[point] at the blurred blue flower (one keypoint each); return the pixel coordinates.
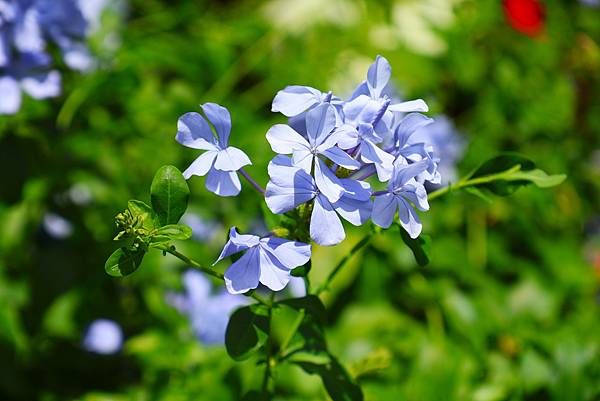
(103, 336)
(221, 161)
(29, 73)
(27, 27)
(208, 312)
(590, 3)
(447, 143)
(56, 226)
(402, 190)
(203, 230)
(267, 260)
(290, 186)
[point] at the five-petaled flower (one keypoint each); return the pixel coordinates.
(221, 161)
(267, 260)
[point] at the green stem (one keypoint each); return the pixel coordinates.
(464, 182)
(269, 361)
(209, 271)
(363, 242)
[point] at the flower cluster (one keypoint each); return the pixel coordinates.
(330, 147)
(27, 29)
(325, 154)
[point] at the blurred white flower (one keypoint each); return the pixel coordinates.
(298, 16)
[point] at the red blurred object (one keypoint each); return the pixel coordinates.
(525, 16)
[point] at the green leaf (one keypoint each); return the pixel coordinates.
(420, 246)
(302, 271)
(315, 357)
(311, 304)
(512, 171)
(139, 208)
(254, 395)
(169, 193)
(246, 331)
(172, 232)
(123, 262)
(337, 381)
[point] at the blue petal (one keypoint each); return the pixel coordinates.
(384, 209)
(354, 189)
(404, 172)
(288, 188)
(346, 136)
(10, 101)
(223, 183)
(409, 219)
(295, 99)
(325, 225)
(361, 89)
(416, 193)
(291, 254)
(231, 159)
(201, 165)
(410, 106)
(244, 274)
(284, 140)
(409, 125)
(272, 273)
(341, 158)
(383, 161)
(221, 119)
(378, 76)
(320, 122)
(78, 57)
(303, 159)
(42, 86)
(237, 243)
(327, 182)
(194, 132)
(355, 211)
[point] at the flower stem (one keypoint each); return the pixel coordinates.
(251, 181)
(209, 271)
(269, 360)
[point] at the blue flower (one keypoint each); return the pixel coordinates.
(208, 312)
(402, 190)
(103, 336)
(291, 186)
(203, 230)
(266, 260)
(27, 73)
(320, 124)
(447, 145)
(220, 162)
(57, 226)
(413, 149)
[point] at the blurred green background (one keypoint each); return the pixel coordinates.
(508, 309)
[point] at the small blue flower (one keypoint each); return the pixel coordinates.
(208, 312)
(220, 162)
(320, 124)
(103, 336)
(291, 186)
(402, 190)
(57, 226)
(266, 260)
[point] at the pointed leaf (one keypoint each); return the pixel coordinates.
(246, 331)
(420, 246)
(123, 262)
(171, 232)
(169, 194)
